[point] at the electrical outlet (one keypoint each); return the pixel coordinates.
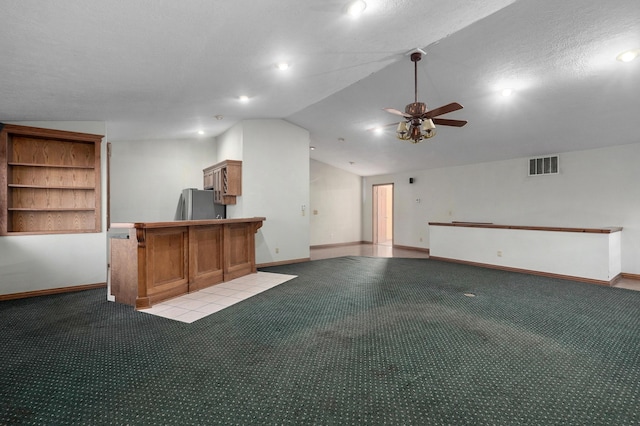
(277, 250)
(499, 253)
(420, 239)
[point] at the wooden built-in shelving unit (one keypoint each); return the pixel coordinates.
(49, 181)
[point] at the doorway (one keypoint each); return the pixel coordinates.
(383, 214)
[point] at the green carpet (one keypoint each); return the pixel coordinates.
(351, 341)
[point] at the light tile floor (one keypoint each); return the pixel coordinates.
(194, 306)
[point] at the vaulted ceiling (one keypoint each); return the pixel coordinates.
(163, 69)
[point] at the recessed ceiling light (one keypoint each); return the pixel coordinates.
(628, 56)
(201, 132)
(218, 117)
(378, 130)
(312, 148)
(507, 91)
(282, 66)
(356, 8)
(243, 98)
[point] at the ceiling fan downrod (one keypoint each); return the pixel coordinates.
(415, 57)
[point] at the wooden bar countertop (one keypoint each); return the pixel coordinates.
(171, 224)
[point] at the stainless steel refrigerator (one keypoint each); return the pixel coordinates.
(198, 204)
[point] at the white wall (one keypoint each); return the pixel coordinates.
(595, 188)
(147, 177)
(229, 144)
(41, 262)
(336, 196)
(275, 184)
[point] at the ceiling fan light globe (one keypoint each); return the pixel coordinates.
(427, 125)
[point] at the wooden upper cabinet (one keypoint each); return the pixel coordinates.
(208, 178)
(225, 178)
(49, 181)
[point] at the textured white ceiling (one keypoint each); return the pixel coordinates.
(158, 69)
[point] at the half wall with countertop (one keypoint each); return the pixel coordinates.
(582, 254)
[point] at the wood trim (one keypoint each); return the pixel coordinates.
(4, 194)
(615, 280)
(50, 291)
(605, 230)
(284, 262)
(51, 133)
(420, 249)
(97, 190)
(631, 276)
(530, 272)
(108, 184)
(352, 243)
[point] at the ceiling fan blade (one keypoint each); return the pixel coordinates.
(447, 122)
(454, 106)
(381, 127)
(397, 112)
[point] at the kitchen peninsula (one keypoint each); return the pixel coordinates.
(155, 261)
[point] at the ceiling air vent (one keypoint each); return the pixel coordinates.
(544, 166)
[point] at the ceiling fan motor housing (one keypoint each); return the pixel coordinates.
(416, 109)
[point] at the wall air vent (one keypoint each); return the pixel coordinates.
(544, 165)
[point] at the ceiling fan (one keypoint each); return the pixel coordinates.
(419, 123)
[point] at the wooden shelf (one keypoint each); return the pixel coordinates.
(59, 166)
(23, 209)
(13, 185)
